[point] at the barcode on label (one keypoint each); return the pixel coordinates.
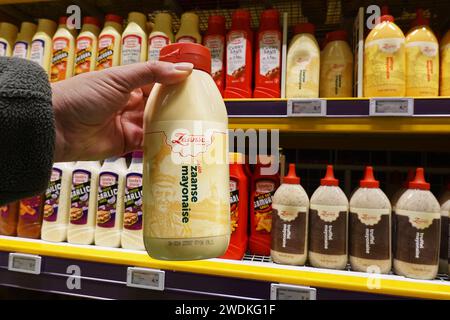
(26, 263)
(391, 107)
(307, 108)
(145, 278)
(291, 292)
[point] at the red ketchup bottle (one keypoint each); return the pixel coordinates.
(239, 57)
(263, 187)
(268, 56)
(214, 40)
(238, 208)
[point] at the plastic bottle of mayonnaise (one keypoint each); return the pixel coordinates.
(41, 45)
(422, 59)
(384, 60)
(23, 42)
(83, 202)
(63, 56)
(189, 31)
(110, 202)
(160, 36)
(132, 232)
(186, 186)
(109, 43)
(86, 46)
(134, 39)
(8, 34)
(303, 63)
(57, 203)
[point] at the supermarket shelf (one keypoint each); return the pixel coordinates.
(104, 269)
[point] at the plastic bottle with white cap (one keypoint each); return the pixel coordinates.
(41, 44)
(23, 42)
(189, 30)
(134, 39)
(160, 36)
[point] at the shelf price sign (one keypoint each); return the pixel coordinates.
(280, 291)
(145, 278)
(307, 108)
(26, 263)
(391, 107)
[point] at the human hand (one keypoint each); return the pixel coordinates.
(100, 114)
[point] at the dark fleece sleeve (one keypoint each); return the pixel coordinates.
(27, 130)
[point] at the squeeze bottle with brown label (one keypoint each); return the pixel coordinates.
(134, 39)
(444, 200)
(186, 176)
(86, 46)
(8, 34)
(109, 43)
(422, 59)
(370, 227)
(189, 31)
(160, 36)
(290, 209)
(23, 42)
(41, 45)
(328, 231)
(63, 56)
(418, 226)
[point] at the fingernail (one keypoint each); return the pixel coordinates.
(183, 66)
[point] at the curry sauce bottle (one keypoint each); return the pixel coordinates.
(109, 43)
(30, 217)
(86, 46)
(63, 52)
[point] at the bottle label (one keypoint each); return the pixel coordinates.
(444, 236)
(417, 236)
(186, 39)
(132, 219)
(3, 48)
(289, 225)
(30, 208)
(79, 198)
(107, 199)
(215, 44)
(20, 50)
(37, 51)
(51, 202)
(328, 232)
(4, 211)
(236, 54)
(105, 52)
(262, 204)
(131, 49)
(83, 55)
(155, 44)
(370, 233)
(61, 47)
(188, 192)
(269, 55)
(234, 204)
(336, 78)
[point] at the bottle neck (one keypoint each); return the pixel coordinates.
(91, 28)
(114, 25)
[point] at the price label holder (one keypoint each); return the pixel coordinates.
(307, 108)
(26, 263)
(143, 278)
(391, 107)
(280, 291)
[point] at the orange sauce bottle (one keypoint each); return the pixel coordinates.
(30, 217)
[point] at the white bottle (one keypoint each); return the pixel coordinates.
(444, 200)
(63, 54)
(132, 232)
(8, 34)
(134, 39)
(41, 45)
(23, 41)
(110, 202)
(83, 202)
(189, 30)
(160, 36)
(57, 203)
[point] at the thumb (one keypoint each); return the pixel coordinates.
(137, 75)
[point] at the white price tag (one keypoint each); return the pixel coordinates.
(27, 263)
(290, 292)
(400, 107)
(306, 108)
(145, 278)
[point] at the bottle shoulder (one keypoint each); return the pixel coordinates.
(328, 195)
(418, 200)
(291, 195)
(371, 198)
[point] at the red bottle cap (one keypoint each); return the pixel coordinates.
(420, 20)
(369, 180)
(338, 35)
(91, 20)
(194, 53)
(304, 28)
(62, 20)
(419, 181)
(291, 177)
(270, 19)
(387, 18)
(114, 18)
(329, 179)
(216, 24)
(240, 19)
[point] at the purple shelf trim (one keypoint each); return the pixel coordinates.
(257, 108)
(347, 107)
(425, 107)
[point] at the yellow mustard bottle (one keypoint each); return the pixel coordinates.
(445, 65)
(134, 39)
(63, 55)
(160, 36)
(41, 45)
(23, 42)
(422, 59)
(189, 30)
(109, 42)
(384, 60)
(86, 46)
(8, 34)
